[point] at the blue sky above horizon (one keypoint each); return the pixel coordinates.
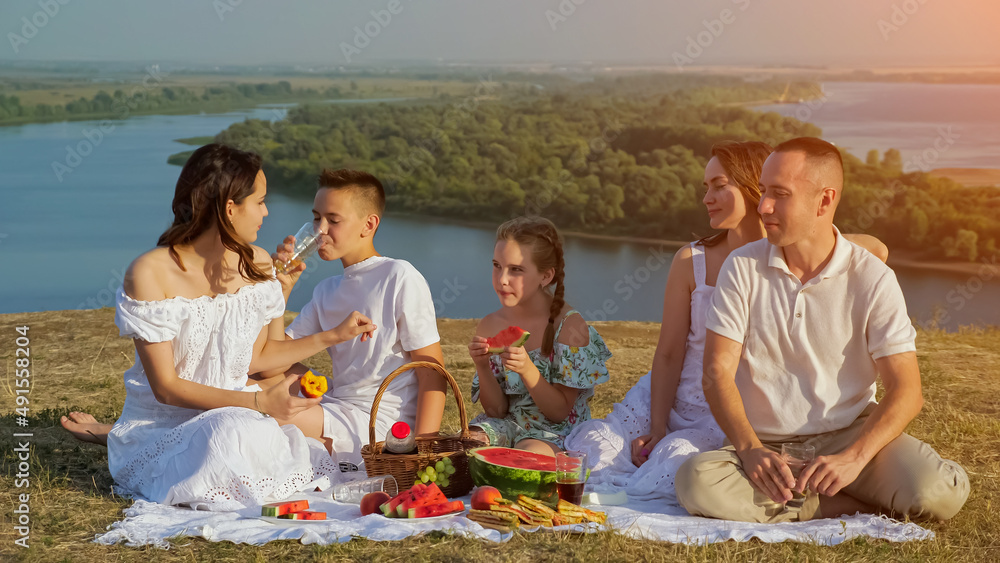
(790, 32)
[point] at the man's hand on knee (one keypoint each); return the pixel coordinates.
(769, 473)
(828, 474)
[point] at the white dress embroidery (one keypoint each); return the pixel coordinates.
(691, 427)
(221, 459)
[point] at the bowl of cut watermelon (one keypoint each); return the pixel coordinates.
(422, 502)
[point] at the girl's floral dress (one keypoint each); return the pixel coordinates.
(573, 366)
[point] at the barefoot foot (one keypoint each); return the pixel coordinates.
(85, 428)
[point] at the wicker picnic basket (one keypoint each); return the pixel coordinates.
(430, 449)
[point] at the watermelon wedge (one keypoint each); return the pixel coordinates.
(428, 495)
(389, 508)
(282, 508)
(439, 509)
(510, 336)
(304, 515)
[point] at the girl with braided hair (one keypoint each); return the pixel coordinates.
(536, 394)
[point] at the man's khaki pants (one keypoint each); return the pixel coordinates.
(906, 478)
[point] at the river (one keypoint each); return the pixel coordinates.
(932, 125)
(69, 226)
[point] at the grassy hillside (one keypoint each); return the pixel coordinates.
(78, 360)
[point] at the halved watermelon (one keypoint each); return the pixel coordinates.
(514, 472)
(510, 336)
(436, 509)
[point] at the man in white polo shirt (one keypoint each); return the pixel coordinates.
(801, 325)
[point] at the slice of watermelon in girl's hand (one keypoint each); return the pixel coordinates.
(510, 336)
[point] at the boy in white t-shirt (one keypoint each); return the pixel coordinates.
(348, 207)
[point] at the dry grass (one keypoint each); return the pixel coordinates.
(78, 362)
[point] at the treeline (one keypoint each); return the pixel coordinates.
(138, 99)
(979, 76)
(929, 216)
(608, 156)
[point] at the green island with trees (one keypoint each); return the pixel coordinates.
(618, 155)
(179, 100)
(66, 97)
(621, 156)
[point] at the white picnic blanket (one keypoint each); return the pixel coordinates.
(148, 523)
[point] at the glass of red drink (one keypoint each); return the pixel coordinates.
(571, 475)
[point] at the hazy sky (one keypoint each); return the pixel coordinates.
(820, 32)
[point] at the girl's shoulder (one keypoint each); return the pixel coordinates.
(580, 355)
(574, 330)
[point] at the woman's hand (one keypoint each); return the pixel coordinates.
(352, 326)
(283, 254)
(479, 351)
(643, 446)
(282, 400)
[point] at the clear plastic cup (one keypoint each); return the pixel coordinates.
(353, 491)
(307, 242)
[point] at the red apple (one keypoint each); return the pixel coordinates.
(371, 502)
(485, 496)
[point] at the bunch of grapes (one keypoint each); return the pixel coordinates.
(438, 473)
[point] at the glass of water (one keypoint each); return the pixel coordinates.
(307, 242)
(353, 491)
(797, 456)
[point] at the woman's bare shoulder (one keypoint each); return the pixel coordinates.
(683, 258)
(143, 276)
(262, 259)
(871, 244)
(682, 268)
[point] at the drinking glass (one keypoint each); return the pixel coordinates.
(353, 491)
(797, 456)
(307, 241)
(571, 475)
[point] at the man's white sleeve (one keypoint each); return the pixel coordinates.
(889, 330)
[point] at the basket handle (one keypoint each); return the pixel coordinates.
(406, 367)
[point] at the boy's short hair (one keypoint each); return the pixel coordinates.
(369, 191)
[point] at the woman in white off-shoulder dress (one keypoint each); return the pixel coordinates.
(664, 419)
(199, 307)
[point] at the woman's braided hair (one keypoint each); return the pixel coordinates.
(546, 245)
